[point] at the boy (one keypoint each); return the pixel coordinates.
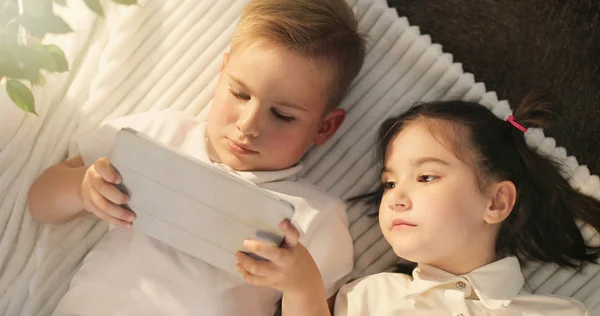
(290, 63)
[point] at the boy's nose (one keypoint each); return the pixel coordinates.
(249, 121)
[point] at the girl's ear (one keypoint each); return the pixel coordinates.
(502, 201)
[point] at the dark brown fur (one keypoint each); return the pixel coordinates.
(517, 46)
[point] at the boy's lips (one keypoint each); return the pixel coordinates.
(239, 148)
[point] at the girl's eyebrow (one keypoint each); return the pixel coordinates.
(418, 162)
(425, 160)
(386, 170)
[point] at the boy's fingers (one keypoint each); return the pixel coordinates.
(120, 213)
(102, 205)
(106, 171)
(255, 267)
(109, 219)
(253, 279)
(292, 235)
(111, 193)
(267, 251)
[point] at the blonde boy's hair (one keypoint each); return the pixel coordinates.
(321, 30)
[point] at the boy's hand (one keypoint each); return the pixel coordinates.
(289, 269)
(101, 197)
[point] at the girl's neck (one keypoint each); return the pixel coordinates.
(465, 262)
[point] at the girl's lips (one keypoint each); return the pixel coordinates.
(400, 223)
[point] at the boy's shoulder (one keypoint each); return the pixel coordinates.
(312, 204)
(300, 190)
(170, 127)
(157, 122)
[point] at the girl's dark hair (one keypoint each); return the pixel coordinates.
(542, 224)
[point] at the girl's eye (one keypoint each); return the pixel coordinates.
(239, 95)
(282, 117)
(389, 185)
(427, 178)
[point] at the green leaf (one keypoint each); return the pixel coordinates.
(95, 6)
(125, 2)
(39, 25)
(58, 61)
(21, 95)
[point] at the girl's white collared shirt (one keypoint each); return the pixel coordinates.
(492, 290)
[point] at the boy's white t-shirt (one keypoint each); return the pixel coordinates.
(129, 273)
(492, 290)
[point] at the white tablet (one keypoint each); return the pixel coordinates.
(191, 205)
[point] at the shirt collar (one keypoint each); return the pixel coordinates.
(261, 177)
(496, 284)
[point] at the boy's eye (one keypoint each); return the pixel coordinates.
(427, 178)
(281, 116)
(239, 95)
(387, 185)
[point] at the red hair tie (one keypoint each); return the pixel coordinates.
(511, 120)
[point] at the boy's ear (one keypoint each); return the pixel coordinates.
(329, 125)
(503, 198)
(225, 61)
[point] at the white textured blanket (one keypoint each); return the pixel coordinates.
(167, 54)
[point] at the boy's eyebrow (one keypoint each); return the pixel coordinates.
(238, 81)
(282, 103)
(290, 105)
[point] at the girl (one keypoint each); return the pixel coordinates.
(466, 199)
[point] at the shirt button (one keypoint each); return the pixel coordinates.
(460, 285)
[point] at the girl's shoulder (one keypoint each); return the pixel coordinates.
(547, 304)
(372, 295)
(381, 282)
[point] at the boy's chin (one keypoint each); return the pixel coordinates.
(237, 164)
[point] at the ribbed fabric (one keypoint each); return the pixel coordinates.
(167, 54)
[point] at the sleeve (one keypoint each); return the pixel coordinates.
(165, 126)
(330, 245)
